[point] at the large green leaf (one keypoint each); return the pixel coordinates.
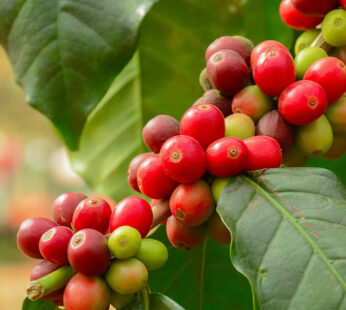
(39, 304)
(162, 78)
(289, 229)
(66, 53)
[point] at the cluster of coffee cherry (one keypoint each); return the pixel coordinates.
(93, 251)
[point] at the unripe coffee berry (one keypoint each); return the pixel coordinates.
(306, 58)
(240, 126)
(305, 40)
(152, 253)
(336, 114)
(133, 169)
(334, 28)
(217, 187)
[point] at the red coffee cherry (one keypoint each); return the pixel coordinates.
(227, 43)
(266, 46)
(228, 72)
(263, 153)
(218, 230)
(64, 206)
(302, 102)
(92, 213)
(158, 130)
(132, 211)
(29, 234)
(226, 157)
(88, 252)
(330, 73)
(274, 65)
(53, 244)
(296, 20)
(214, 97)
(183, 159)
(192, 204)
(153, 181)
(204, 122)
(182, 236)
(133, 169)
(317, 8)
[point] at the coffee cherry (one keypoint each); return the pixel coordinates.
(343, 3)
(118, 301)
(124, 242)
(214, 97)
(340, 53)
(158, 130)
(53, 244)
(218, 230)
(132, 211)
(182, 236)
(263, 153)
(315, 7)
(127, 276)
(273, 125)
(334, 28)
(306, 58)
(228, 72)
(305, 40)
(316, 138)
(336, 114)
(192, 204)
(204, 122)
(86, 293)
(294, 157)
(133, 169)
(226, 157)
(240, 126)
(29, 234)
(88, 253)
(183, 159)
(302, 102)
(92, 213)
(64, 206)
(204, 80)
(217, 187)
(338, 147)
(266, 46)
(161, 211)
(152, 253)
(228, 43)
(330, 73)
(246, 42)
(153, 181)
(252, 102)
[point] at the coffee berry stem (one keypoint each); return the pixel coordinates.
(320, 42)
(49, 283)
(145, 298)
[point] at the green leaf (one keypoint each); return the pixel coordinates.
(65, 53)
(39, 304)
(162, 78)
(289, 231)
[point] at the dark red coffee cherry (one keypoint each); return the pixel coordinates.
(214, 97)
(133, 169)
(158, 130)
(218, 230)
(317, 8)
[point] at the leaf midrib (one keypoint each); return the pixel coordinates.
(298, 227)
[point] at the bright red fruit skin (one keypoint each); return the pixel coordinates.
(273, 71)
(192, 204)
(218, 230)
(264, 47)
(158, 130)
(227, 71)
(86, 293)
(133, 169)
(302, 102)
(214, 97)
(53, 244)
(204, 122)
(227, 43)
(263, 153)
(64, 206)
(29, 234)
(153, 181)
(92, 213)
(330, 73)
(88, 252)
(226, 157)
(296, 20)
(317, 8)
(132, 211)
(343, 3)
(183, 159)
(182, 236)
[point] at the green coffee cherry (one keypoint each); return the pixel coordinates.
(218, 186)
(305, 40)
(119, 300)
(152, 253)
(246, 42)
(124, 242)
(204, 80)
(306, 58)
(240, 126)
(315, 138)
(334, 28)
(336, 114)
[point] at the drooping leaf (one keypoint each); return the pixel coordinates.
(66, 53)
(39, 304)
(289, 229)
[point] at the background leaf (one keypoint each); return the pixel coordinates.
(39, 304)
(289, 228)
